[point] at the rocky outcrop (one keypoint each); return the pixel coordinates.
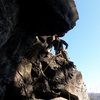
(28, 70)
(38, 74)
(46, 17)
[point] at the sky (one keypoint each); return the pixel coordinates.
(84, 43)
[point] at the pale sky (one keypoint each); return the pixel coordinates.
(84, 43)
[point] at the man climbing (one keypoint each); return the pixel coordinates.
(58, 44)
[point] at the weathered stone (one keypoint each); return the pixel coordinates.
(27, 70)
(77, 86)
(46, 17)
(59, 98)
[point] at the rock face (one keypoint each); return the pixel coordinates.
(46, 17)
(28, 71)
(38, 74)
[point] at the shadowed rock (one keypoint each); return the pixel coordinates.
(27, 70)
(39, 75)
(46, 17)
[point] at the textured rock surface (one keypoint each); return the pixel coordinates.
(38, 74)
(27, 70)
(46, 17)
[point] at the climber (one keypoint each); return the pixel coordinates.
(58, 44)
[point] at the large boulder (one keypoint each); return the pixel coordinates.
(46, 17)
(29, 72)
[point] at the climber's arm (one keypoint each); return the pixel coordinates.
(65, 43)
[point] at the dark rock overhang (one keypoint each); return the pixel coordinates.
(36, 17)
(48, 17)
